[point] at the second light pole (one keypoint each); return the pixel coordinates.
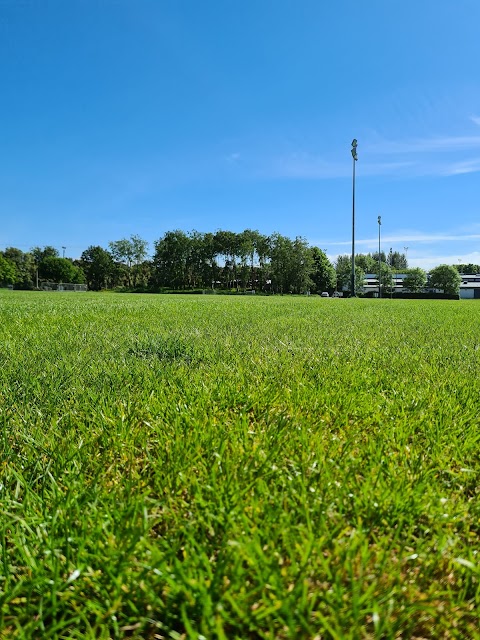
(355, 158)
(379, 259)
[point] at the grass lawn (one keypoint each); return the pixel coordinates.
(219, 467)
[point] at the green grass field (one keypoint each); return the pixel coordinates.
(238, 467)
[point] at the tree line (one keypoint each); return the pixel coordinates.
(223, 260)
(181, 261)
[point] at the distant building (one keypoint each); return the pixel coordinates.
(469, 288)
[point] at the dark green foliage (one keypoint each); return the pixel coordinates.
(323, 276)
(343, 268)
(445, 278)
(131, 254)
(415, 280)
(232, 261)
(57, 269)
(468, 269)
(98, 266)
(8, 271)
(24, 267)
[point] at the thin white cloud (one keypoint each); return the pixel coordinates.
(428, 262)
(466, 166)
(475, 120)
(426, 238)
(425, 145)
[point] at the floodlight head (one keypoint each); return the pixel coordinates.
(379, 219)
(354, 154)
(354, 143)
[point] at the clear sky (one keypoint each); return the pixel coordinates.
(122, 117)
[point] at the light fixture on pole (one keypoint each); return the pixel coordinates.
(64, 251)
(406, 254)
(379, 258)
(355, 158)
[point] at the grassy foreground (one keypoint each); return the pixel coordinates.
(211, 467)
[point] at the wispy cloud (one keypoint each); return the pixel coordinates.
(475, 120)
(424, 238)
(428, 262)
(466, 166)
(425, 145)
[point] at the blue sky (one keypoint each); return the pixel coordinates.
(142, 116)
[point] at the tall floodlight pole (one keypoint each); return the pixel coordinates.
(379, 258)
(355, 158)
(64, 251)
(406, 254)
(390, 259)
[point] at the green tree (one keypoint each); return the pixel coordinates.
(8, 272)
(468, 269)
(60, 270)
(385, 278)
(446, 278)
(131, 253)
(323, 275)
(366, 262)
(170, 260)
(397, 260)
(210, 271)
(374, 255)
(25, 271)
(291, 264)
(227, 248)
(262, 249)
(343, 268)
(415, 280)
(195, 260)
(40, 254)
(98, 266)
(280, 255)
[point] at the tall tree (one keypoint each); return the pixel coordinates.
(468, 269)
(415, 280)
(24, 267)
(227, 248)
(343, 267)
(131, 253)
(291, 264)
(383, 257)
(98, 266)
(385, 278)
(445, 278)
(40, 254)
(60, 270)
(366, 262)
(171, 259)
(323, 276)
(8, 272)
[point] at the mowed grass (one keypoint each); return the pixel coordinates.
(237, 467)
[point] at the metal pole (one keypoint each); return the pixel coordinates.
(355, 158)
(390, 275)
(64, 251)
(379, 259)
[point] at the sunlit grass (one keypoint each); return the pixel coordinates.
(199, 466)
